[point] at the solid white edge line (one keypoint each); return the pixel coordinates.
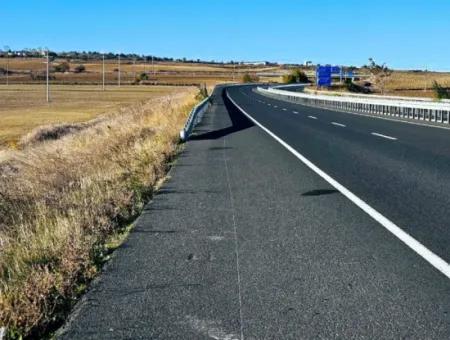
(382, 136)
(407, 239)
(312, 117)
(338, 124)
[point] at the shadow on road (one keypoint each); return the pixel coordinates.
(238, 120)
(320, 192)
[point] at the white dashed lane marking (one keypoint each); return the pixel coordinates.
(338, 124)
(383, 136)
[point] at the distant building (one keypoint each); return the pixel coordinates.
(255, 63)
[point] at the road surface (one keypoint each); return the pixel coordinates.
(245, 241)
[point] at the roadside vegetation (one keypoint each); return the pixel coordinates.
(296, 76)
(440, 92)
(202, 93)
(380, 74)
(68, 193)
(250, 78)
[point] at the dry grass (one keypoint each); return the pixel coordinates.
(415, 84)
(60, 200)
(23, 107)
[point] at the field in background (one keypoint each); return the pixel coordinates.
(158, 73)
(24, 107)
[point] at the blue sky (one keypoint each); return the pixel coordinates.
(402, 33)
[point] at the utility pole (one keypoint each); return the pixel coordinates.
(118, 79)
(7, 48)
(7, 68)
(153, 66)
(153, 70)
(48, 83)
(103, 87)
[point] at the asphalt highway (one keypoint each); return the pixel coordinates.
(246, 241)
(400, 169)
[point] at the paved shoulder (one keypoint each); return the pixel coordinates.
(175, 277)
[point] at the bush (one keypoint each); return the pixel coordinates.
(63, 67)
(80, 69)
(440, 92)
(352, 87)
(250, 78)
(141, 77)
(296, 76)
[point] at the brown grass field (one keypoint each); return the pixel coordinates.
(415, 84)
(24, 107)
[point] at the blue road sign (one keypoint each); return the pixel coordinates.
(335, 69)
(324, 81)
(323, 69)
(323, 75)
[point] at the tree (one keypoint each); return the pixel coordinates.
(63, 67)
(380, 74)
(440, 92)
(296, 76)
(249, 78)
(80, 68)
(141, 77)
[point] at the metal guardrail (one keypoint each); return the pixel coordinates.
(429, 111)
(287, 86)
(194, 118)
(371, 96)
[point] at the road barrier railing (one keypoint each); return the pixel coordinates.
(194, 118)
(372, 96)
(427, 110)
